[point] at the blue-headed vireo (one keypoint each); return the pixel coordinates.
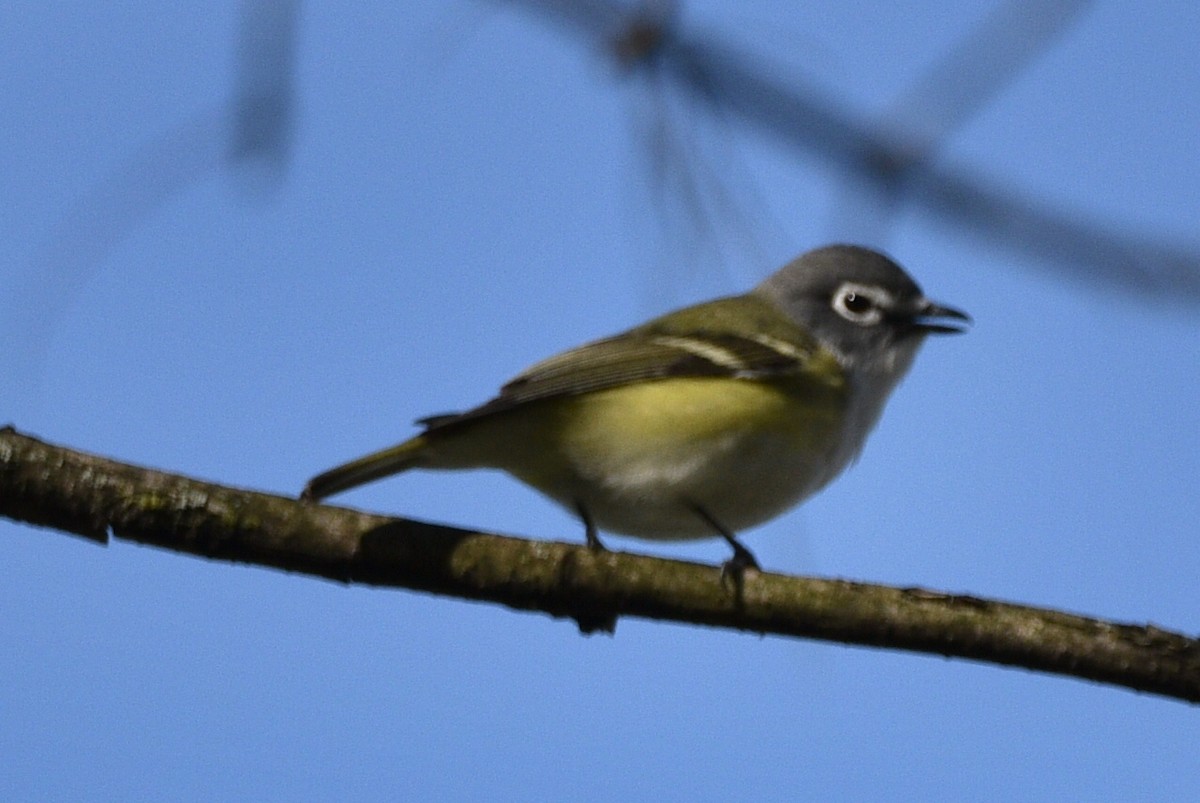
(705, 421)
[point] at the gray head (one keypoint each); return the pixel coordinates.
(864, 308)
(860, 305)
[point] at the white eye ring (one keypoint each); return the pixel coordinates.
(861, 304)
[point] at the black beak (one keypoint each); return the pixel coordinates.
(936, 319)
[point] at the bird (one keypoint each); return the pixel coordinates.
(702, 422)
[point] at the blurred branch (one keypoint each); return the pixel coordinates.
(51, 486)
(249, 133)
(262, 109)
(896, 158)
(958, 86)
(977, 69)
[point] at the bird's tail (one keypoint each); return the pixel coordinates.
(365, 469)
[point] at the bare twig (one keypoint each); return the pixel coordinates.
(92, 496)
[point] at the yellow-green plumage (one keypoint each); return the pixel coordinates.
(639, 458)
(704, 421)
(640, 429)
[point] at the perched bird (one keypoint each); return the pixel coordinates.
(703, 422)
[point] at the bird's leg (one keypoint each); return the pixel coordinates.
(590, 533)
(742, 558)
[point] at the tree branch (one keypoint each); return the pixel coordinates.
(47, 485)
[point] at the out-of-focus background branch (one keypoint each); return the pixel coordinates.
(896, 157)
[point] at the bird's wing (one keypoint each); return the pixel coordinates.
(698, 341)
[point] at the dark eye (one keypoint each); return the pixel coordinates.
(857, 302)
(863, 305)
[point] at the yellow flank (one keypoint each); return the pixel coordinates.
(675, 415)
(639, 457)
(654, 417)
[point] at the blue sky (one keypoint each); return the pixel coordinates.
(468, 193)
